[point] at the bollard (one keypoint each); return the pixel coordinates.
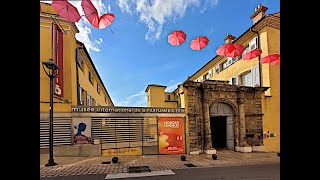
(214, 156)
(115, 159)
(183, 158)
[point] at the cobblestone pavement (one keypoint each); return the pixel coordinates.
(69, 166)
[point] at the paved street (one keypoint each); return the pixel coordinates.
(246, 172)
(91, 166)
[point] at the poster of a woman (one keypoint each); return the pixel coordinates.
(80, 138)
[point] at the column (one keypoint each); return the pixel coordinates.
(242, 125)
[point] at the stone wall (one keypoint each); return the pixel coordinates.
(245, 103)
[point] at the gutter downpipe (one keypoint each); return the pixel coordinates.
(77, 73)
(258, 47)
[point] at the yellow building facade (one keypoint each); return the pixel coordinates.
(264, 34)
(82, 85)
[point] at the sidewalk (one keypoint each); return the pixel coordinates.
(68, 166)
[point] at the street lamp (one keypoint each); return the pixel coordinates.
(52, 68)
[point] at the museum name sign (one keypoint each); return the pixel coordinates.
(108, 109)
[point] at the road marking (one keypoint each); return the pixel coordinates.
(130, 175)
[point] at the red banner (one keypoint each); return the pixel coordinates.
(171, 135)
(57, 56)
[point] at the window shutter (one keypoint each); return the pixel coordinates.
(255, 76)
(253, 44)
(249, 79)
(209, 74)
(236, 77)
(217, 68)
(80, 95)
(230, 81)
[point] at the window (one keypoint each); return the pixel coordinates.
(225, 64)
(90, 77)
(217, 68)
(233, 60)
(255, 76)
(229, 61)
(168, 97)
(79, 60)
(98, 88)
(93, 102)
(88, 99)
(209, 74)
(200, 79)
(233, 81)
(244, 52)
(246, 79)
(253, 44)
(205, 76)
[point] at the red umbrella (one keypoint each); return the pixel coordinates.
(225, 49)
(105, 20)
(237, 51)
(199, 43)
(270, 58)
(90, 12)
(176, 38)
(66, 10)
(252, 54)
(277, 61)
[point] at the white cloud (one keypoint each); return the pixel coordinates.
(208, 3)
(124, 6)
(85, 37)
(136, 100)
(154, 13)
(172, 86)
(85, 28)
(109, 8)
(98, 41)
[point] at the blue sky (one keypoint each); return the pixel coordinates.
(138, 54)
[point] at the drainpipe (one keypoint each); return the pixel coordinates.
(77, 73)
(258, 46)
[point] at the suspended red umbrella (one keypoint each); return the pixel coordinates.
(90, 12)
(237, 51)
(225, 49)
(105, 20)
(270, 58)
(276, 62)
(66, 10)
(176, 38)
(252, 54)
(199, 43)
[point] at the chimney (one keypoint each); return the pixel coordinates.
(259, 12)
(229, 38)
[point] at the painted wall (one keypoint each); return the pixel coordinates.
(69, 57)
(271, 104)
(68, 78)
(157, 97)
(91, 88)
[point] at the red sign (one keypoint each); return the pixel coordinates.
(171, 135)
(57, 49)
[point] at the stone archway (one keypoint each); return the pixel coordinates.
(222, 116)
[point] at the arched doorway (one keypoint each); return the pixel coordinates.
(222, 126)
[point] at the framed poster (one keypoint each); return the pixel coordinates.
(81, 131)
(171, 135)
